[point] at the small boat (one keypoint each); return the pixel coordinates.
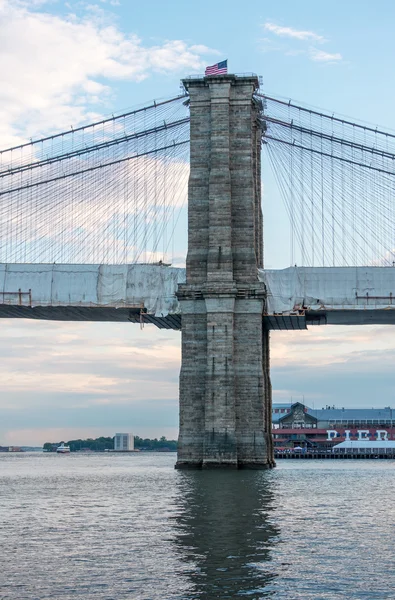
(62, 449)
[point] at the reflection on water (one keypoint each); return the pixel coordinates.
(131, 527)
(224, 532)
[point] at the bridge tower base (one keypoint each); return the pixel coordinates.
(225, 391)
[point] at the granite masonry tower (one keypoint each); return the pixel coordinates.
(225, 391)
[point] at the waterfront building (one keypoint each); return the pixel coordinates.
(124, 442)
(297, 425)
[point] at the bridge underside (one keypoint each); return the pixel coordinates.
(311, 318)
(276, 322)
(86, 313)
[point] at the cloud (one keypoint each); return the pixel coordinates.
(335, 346)
(322, 56)
(269, 45)
(87, 375)
(293, 33)
(346, 366)
(55, 69)
(72, 362)
(302, 37)
(60, 380)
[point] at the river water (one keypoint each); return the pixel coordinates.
(107, 526)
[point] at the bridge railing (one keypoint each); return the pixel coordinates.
(18, 298)
(202, 76)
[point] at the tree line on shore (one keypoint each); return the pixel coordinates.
(101, 444)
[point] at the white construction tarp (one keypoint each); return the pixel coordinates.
(150, 286)
(365, 444)
(154, 286)
(332, 288)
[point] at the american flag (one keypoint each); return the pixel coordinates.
(220, 68)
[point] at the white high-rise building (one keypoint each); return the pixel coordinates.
(123, 442)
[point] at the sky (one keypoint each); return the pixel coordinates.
(66, 63)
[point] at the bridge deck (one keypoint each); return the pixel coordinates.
(297, 297)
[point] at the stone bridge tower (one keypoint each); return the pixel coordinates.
(225, 390)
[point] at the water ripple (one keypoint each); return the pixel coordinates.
(129, 526)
